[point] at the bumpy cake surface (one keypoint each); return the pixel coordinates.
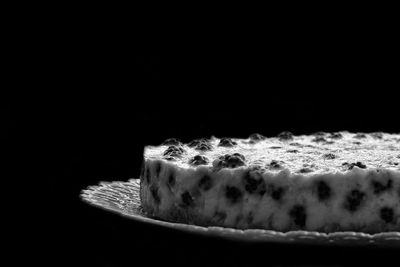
(322, 182)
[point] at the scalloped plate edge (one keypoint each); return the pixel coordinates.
(123, 199)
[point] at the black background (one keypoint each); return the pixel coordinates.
(106, 98)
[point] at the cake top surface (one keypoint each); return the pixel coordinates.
(319, 152)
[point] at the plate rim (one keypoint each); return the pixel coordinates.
(347, 237)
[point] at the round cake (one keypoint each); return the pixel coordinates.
(323, 182)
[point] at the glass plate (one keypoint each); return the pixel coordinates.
(123, 198)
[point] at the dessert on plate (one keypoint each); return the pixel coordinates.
(323, 182)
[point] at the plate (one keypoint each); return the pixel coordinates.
(123, 198)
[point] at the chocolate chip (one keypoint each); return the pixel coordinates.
(359, 135)
(274, 164)
(305, 170)
(205, 183)
(378, 187)
(352, 165)
(233, 194)
(318, 139)
(172, 152)
(256, 169)
(239, 155)
(256, 137)
(329, 156)
(276, 192)
(187, 199)
(171, 180)
(201, 144)
(171, 141)
(231, 161)
(158, 168)
(292, 151)
(298, 214)
(154, 193)
(336, 135)
(296, 144)
(254, 185)
(198, 160)
(387, 214)
(377, 135)
(323, 190)
(227, 142)
(204, 147)
(284, 136)
(319, 134)
(197, 142)
(147, 174)
(354, 199)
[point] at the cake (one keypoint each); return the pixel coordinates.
(324, 182)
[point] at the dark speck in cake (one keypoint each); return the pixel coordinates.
(387, 214)
(354, 200)
(187, 199)
(205, 183)
(379, 187)
(329, 156)
(305, 170)
(319, 139)
(147, 174)
(323, 190)
(154, 193)
(298, 214)
(296, 144)
(253, 184)
(171, 180)
(274, 164)
(319, 134)
(233, 194)
(359, 136)
(276, 192)
(336, 135)
(358, 164)
(158, 168)
(292, 151)
(377, 135)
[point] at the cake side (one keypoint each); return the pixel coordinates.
(227, 189)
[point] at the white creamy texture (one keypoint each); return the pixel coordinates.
(300, 152)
